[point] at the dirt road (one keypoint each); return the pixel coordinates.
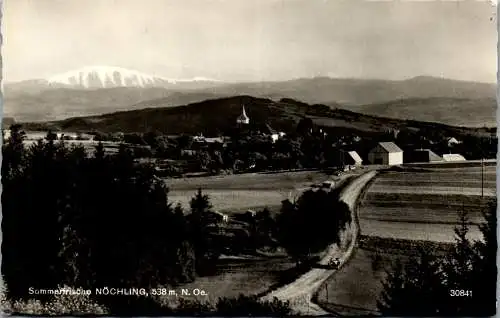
(300, 292)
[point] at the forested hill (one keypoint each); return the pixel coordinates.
(216, 116)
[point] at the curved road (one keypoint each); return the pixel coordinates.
(300, 292)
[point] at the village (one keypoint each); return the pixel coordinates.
(258, 147)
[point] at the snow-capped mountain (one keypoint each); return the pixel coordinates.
(109, 76)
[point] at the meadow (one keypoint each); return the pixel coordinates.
(235, 193)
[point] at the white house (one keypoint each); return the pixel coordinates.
(453, 157)
(453, 141)
(386, 153)
(6, 133)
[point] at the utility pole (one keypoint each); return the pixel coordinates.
(482, 177)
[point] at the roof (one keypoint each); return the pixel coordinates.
(424, 155)
(453, 157)
(214, 139)
(390, 147)
(354, 155)
(269, 129)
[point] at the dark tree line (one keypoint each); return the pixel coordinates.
(460, 283)
(88, 222)
(92, 222)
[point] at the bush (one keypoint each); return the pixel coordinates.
(64, 304)
(250, 305)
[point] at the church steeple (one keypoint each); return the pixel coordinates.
(243, 118)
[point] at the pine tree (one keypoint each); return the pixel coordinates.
(416, 290)
(393, 298)
(199, 218)
(485, 265)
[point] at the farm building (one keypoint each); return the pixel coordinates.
(386, 153)
(453, 157)
(421, 155)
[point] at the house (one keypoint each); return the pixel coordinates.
(453, 157)
(421, 155)
(386, 153)
(247, 217)
(6, 133)
(275, 135)
(453, 141)
(216, 217)
(352, 158)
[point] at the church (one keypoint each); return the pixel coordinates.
(243, 126)
(243, 119)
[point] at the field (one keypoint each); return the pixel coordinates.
(241, 276)
(424, 205)
(355, 288)
(234, 193)
(399, 211)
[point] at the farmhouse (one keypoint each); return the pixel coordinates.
(421, 155)
(386, 153)
(453, 157)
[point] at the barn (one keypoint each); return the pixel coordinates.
(386, 153)
(421, 155)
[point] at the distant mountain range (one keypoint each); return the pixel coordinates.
(99, 90)
(97, 77)
(468, 112)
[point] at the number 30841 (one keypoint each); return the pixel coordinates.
(460, 293)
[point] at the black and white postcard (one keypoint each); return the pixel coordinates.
(249, 158)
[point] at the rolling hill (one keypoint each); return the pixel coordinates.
(215, 116)
(36, 100)
(60, 103)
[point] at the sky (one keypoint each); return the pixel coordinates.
(243, 40)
